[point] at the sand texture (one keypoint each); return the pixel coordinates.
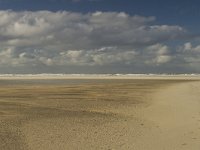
(107, 114)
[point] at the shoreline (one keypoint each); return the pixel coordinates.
(101, 76)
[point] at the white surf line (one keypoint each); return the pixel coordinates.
(175, 119)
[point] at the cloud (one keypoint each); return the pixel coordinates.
(84, 30)
(188, 53)
(45, 38)
(157, 54)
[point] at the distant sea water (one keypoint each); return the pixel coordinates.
(98, 75)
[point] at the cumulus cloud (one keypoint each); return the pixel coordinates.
(189, 55)
(161, 54)
(70, 57)
(94, 39)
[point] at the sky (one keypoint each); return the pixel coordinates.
(99, 36)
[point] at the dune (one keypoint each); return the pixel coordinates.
(139, 114)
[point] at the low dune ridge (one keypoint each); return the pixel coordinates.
(99, 114)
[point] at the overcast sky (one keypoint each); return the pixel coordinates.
(99, 36)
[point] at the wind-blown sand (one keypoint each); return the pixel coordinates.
(122, 114)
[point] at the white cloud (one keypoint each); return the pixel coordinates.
(94, 39)
(162, 59)
(94, 57)
(189, 53)
(157, 54)
(70, 29)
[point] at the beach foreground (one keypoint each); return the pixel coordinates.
(120, 114)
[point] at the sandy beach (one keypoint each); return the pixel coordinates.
(109, 114)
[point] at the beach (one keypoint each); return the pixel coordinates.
(108, 113)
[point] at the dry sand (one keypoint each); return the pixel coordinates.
(120, 114)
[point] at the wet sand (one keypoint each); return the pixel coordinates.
(120, 114)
